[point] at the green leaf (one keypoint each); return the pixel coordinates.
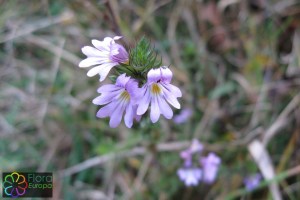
(143, 57)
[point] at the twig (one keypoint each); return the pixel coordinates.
(125, 154)
(165, 147)
(264, 163)
(66, 55)
(281, 119)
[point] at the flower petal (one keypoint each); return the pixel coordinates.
(105, 70)
(154, 112)
(164, 108)
(170, 98)
(90, 51)
(153, 75)
(117, 37)
(107, 88)
(145, 100)
(116, 117)
(106, 111)
(129, 115)
(173, 89)
(166, 74)
(94, 71)
(105, 98)
(90, 61)
(103, 45)
(122, 80)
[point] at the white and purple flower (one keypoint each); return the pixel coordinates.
(118, 98)
(210, 165)
(104, 56)
(158, 91)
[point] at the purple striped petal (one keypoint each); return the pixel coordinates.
(144, 103)
(129, 115)
(116, 117)
(107, 88)
(106, 110)
(164, 108)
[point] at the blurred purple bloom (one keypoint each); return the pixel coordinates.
(105, 56)
(210, 166)
(196, 147)
(157, 91)
(117, 99)
(251, 182)
(183, 116)
(190, 176)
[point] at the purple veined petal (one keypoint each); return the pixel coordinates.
(170, 98)
(107, 88)
(105, 98)
(175, 91)
(153, 76)
(118, 53)
(90, 61)
(105, 70)
(154, 111)
(129, 115)
(164, 108)
(166, 74)
(133, 89)
(116, 117)
(122, 80)
(107, 110)
(144, 103)
(114, 49)
(91, 51)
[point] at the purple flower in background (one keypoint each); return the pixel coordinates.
(183, 116)
(157, 91)
(196, 147)
(117, 99)
(210, 166)
(190, 176)
(105, 56)
(251, 182)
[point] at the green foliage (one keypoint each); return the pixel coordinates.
(143, 57)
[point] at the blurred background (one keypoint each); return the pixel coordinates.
(237, 63)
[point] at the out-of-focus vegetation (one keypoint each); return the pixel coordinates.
(236, 61)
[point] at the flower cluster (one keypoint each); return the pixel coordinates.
(141, 83)
(191, 175)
